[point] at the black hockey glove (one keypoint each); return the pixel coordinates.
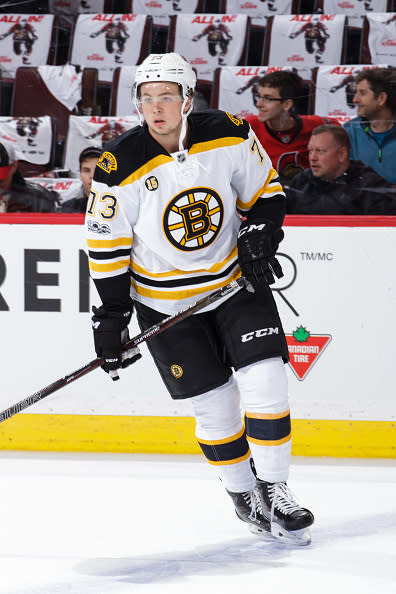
(110, 330)
(257, 245)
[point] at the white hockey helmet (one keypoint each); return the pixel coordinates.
(169, 67)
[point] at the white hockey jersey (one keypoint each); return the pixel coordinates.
(172, 220)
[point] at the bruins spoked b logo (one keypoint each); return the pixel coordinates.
(193, 218)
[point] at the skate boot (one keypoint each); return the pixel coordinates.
(289, 521)
(247, 510)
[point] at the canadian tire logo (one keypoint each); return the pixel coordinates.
(304, 350)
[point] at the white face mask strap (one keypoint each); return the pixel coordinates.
(138, 106)
(184, 124)
(184, 119)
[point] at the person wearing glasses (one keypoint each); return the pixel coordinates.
(281, 130)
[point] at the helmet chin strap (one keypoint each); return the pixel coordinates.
(183, 130)
(139, 111)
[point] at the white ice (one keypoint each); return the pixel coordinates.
(120, 524)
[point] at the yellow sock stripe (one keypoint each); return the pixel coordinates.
(281, 415)
(228, 462)
(212, 442)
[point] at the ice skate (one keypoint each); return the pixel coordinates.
(288, 520)
(247, 509)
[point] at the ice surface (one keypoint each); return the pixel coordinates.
(120, 524)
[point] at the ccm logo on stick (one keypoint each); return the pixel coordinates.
(259, 333)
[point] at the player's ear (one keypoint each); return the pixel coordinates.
(188, 104)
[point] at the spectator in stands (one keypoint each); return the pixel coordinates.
(17, 194)
(373, 132)
(283, 133)
(335, 185)
(88, 159)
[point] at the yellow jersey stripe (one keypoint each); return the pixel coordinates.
(215, 268)
(265, 189)
(109, 267)
(109, 243)
(184, 294)
(201, 147)
(146, 168)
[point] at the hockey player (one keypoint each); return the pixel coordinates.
(252, 84)
(217, 34)
(116, 34)
(24, 36)
(109, 131)
(169, 192)
(315, 36)
(350, 84)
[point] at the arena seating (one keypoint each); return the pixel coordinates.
(325, 41)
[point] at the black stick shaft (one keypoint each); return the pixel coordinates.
(138, 339)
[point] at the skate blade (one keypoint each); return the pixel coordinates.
(257, 531)
(301, 537)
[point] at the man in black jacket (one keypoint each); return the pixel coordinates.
(335, 185)
(18, 195)
(88, 159)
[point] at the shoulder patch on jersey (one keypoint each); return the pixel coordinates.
(214, 124)
(235, 119)
(107, 162)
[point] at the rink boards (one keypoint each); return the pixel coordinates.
(337, 302)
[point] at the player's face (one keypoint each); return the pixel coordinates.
(87, 170)
(269, 104)
(161, 105)
(367, 103)
(326, 157)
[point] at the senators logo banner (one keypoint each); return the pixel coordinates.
(106, 41)
(210, 40)
(31, 137)
(335, 90)
(306, 40)
(164, 7)
(382, 37)
(354, 7)
(24, 41)
(87, 131)
(260, 8)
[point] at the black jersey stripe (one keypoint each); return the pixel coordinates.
(181, 282)
(94, 255)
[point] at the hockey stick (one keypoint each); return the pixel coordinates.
(232, 287)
